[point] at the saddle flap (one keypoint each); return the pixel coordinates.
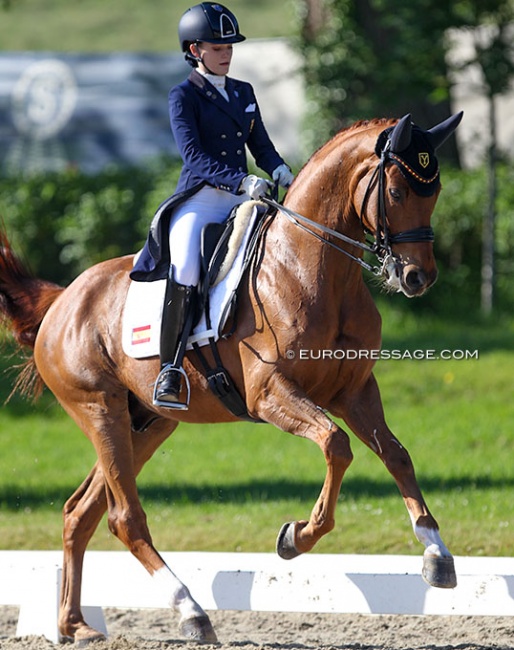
(220, 243)
(214, 247)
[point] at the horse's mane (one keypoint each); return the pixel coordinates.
(376, 121)
(360, 125)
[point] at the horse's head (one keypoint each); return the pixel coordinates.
(398, 198)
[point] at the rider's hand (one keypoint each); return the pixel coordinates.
(283, 176)
(255, 187)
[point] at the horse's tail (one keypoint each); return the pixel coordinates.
(24, 301)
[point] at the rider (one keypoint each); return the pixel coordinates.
(213, 117)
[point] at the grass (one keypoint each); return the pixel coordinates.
(230, 487)
(131, 25)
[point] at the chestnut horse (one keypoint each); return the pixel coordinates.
(304, 290)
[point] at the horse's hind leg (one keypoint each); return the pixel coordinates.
(365, 416)
(82, 514)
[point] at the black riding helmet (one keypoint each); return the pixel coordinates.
(208, 21)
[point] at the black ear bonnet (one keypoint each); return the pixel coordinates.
(412, 150)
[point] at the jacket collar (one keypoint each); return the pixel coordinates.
(232, 108)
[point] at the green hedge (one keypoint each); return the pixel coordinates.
(64, 223)
(457, 222)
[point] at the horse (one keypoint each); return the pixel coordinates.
(304, 290)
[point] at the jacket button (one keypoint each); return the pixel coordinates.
(239, 134)
(239, 152)
(223, 153)
(223, 136)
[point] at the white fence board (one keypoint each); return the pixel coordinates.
(366, 584)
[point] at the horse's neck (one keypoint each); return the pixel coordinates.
(318, 265)
(302, 283)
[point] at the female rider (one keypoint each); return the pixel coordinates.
(213, 117)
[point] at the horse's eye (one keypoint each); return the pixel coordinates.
(395, 194)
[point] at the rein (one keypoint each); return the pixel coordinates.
(383, 239)
(306, 224)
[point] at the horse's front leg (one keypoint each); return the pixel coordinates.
(285, 406)
(364, 414)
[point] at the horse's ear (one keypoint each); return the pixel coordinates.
(401, 135)
(441, 132)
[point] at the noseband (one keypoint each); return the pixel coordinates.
(382, 238)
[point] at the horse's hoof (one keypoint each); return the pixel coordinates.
(199, 629)
(439, 571)
(285, 542)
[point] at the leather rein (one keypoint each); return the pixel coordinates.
(383, 240)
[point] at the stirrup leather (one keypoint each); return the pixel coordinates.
(179, 406)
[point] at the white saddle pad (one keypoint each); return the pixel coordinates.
(141, 326)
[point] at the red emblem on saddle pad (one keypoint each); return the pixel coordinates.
(141, 334)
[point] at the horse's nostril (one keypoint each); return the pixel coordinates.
(415, 279)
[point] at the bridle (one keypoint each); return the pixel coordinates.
(383, 240)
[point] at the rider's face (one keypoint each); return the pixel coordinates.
(215, 57)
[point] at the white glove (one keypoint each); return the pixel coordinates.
(255, 187)
(283, 175)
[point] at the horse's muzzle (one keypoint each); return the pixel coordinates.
(407, 277)
(415, 281)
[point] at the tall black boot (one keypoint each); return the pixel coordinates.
(177, 320)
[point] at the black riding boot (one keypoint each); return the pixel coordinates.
(177, 320)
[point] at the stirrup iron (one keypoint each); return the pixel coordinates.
(177, 406)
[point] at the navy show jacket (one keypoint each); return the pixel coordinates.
(211, 134)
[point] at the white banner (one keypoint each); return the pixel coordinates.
(89, 110)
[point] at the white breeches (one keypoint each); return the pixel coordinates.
(208, 205)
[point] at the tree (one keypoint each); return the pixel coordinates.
(374, 58)
(370, 58)
(314, 19)
(494, 55)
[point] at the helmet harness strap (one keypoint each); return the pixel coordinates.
(199, 59)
